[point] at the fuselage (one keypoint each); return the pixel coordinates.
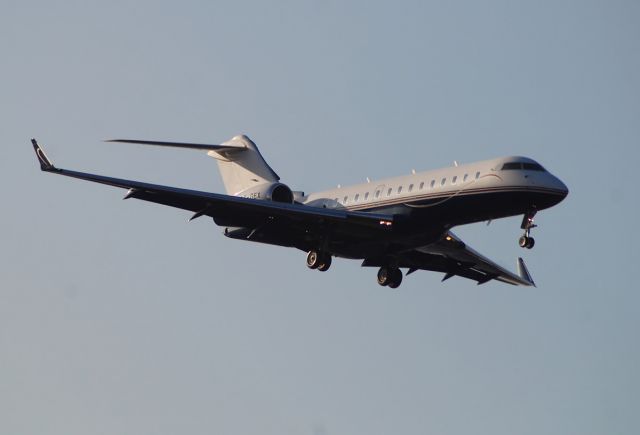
(439, 199)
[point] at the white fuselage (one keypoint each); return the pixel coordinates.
(436, 187)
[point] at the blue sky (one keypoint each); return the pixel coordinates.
(119, 317)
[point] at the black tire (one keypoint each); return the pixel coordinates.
(384, 276)
(313, 259)
(396, 278)
(531, 243)
(325, 263)
(523, 241)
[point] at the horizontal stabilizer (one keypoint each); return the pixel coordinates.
(193, 146)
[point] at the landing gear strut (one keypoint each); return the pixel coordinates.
(318, 260)
(389, 276)
(526, 241)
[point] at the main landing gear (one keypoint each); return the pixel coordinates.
(318, 260)
(389, 276)
(526, 241)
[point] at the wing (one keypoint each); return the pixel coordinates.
(452, 256)
(230, 210)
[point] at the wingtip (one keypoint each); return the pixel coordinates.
(523, 272)
(45, 163)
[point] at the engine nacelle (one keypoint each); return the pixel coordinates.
(276, 192)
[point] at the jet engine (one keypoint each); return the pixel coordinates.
(276, 192)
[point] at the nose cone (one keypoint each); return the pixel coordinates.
(564, 190)
(561, 188)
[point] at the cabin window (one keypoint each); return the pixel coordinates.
(389, 191)
(356, 198)
(399, 189)
(410, 187)
(433, 183)
(377, 193)
(366, 196)
(465, 177)
(422, 185)
(477, 175)
(454, 179)
(443, 181)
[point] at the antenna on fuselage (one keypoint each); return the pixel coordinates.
(413, 171)
(368, 181)
(455, 163)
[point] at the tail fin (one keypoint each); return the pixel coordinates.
(241, 164)
(243, 169)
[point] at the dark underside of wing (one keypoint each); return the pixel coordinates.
(453, 257)
(264, 221)
(300, 225)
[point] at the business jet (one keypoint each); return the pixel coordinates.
(392, 224)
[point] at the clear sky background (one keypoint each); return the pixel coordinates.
(121, 317)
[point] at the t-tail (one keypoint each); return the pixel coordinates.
(241, 165)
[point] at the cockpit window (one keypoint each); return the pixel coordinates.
(519, 165)
(532, 167)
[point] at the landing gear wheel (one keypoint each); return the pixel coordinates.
(526, 242)
(389, 276)
(318, 260)
(523, 241)
(325, 263)
(531, 243)
(384, 276)
(396, 279)
(313, 259)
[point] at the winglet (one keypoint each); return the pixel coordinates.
(523, 272)
(45, 163)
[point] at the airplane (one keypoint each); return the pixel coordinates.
(392, 224)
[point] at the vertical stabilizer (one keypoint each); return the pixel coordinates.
(242, 166)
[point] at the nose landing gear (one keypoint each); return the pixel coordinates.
(526, 241)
